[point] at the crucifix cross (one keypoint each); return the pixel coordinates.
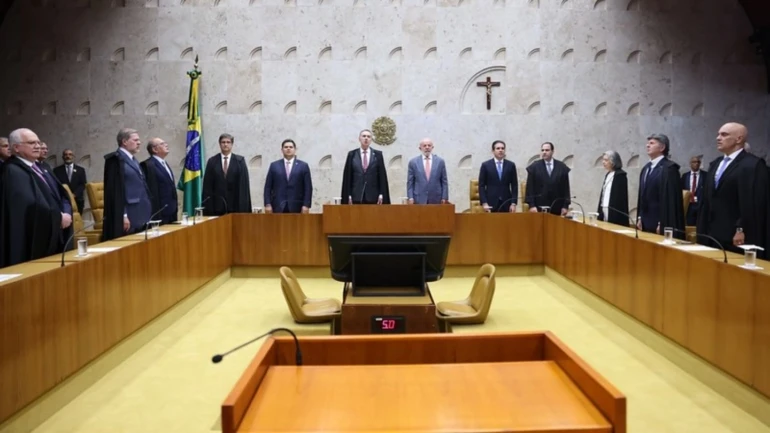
(489, 84)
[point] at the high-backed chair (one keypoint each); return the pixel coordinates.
(522, 195)
(474, 197)
(95, 191)
(93, 236)
(304, 309)
(475, 308)
(689, 230)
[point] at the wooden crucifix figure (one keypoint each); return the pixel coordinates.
(489, 84)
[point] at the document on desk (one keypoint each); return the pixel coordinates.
(625, 232)
(695, 247)
(6, 277)
(102, 249)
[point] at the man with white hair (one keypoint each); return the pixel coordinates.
(5, 150)
(32, 221)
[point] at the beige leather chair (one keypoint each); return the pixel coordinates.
(689, 230)
(474, 197)
(94, 237)
(304, 309)
(475, 308)
(95, 191)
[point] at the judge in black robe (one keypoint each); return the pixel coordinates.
(365, 185)
(739, 199)
(230, 193)
(660, 202)
(30, 216)
(616, 194)
(544, 189)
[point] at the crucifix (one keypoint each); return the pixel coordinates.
(489, 84)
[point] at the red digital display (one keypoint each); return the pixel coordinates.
(388, 325)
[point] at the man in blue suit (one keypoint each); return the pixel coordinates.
(498, 182)
(288, 187)
(426, 181)
(160, 181)
(127, 207)
(693, 181)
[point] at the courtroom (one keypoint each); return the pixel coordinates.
(440, 216)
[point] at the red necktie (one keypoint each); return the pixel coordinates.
(366, 161)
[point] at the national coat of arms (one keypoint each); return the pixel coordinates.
(384, 131)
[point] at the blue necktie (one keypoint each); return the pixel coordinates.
(721, 170)
(500, 170)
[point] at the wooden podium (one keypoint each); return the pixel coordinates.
(520, 382)
(389, 219)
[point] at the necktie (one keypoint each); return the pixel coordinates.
(39, 173)
(69, 172)
(366, 161)
(548, 165)
(721, 170)
(500, 170)
(288, 170)
(226, 166)
(167, 169)
(427, 168)
(693, 186)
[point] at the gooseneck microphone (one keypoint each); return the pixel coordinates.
(88, 226)
(571, 199)
(147, 224)
(724, 252)
(523, 198)
(631, 220)
(216, 359)
(223, 201)
(195, 214)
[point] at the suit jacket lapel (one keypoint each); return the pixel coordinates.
(731, 167)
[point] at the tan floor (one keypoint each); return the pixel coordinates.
(170, 384)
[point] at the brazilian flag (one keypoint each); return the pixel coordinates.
(191, 180)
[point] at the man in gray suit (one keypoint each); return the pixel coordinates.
(426, 181)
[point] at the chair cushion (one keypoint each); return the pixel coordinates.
(454, 309)
(321, 307)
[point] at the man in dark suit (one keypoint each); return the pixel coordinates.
(43, 156)
(127, 206)
(33, 220)
(365, 178)
(226, 187)
(734, 206)
(660, 204)
(548, 182)
(693, 181)
(160, 181)
(5, 150)
(288, 187)
(72, 175)
(498, 182)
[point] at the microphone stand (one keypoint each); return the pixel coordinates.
(631, 220)
(72, 237)
(195, 213)
(147, 224)
(298, 358)
(724, 252)
(572, 201)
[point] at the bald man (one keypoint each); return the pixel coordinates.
(426, 180)
(160, 181)
(735, 200)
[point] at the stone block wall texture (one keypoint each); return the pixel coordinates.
(588, 75)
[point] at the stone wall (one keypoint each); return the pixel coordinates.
(589, 75)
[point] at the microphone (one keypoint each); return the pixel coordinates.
(195, 214)
(724, 252)
(224, 201)
(631, 220)
(362, 193)
(88, 226)
(216, 359)
(147, 224)
(572, 201)
(524, 198)
(562, 198)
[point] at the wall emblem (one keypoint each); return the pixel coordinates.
(384, 130)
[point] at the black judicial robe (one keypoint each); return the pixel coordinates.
(548, 190)
(114, 197)
(365, 186)
(671, 201)
(618, 200)
(233, 188)
(30, 217)
(740, 200)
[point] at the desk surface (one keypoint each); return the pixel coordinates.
(388, 300)
(71, 257)
(481, 397)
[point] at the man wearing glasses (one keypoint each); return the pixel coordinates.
(33, 222)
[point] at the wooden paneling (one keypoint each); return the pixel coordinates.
(718, 311)
(388, 220)
(497, 238)
(53, 323)
(279, 240)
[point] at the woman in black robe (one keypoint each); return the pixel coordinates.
(613, 198)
